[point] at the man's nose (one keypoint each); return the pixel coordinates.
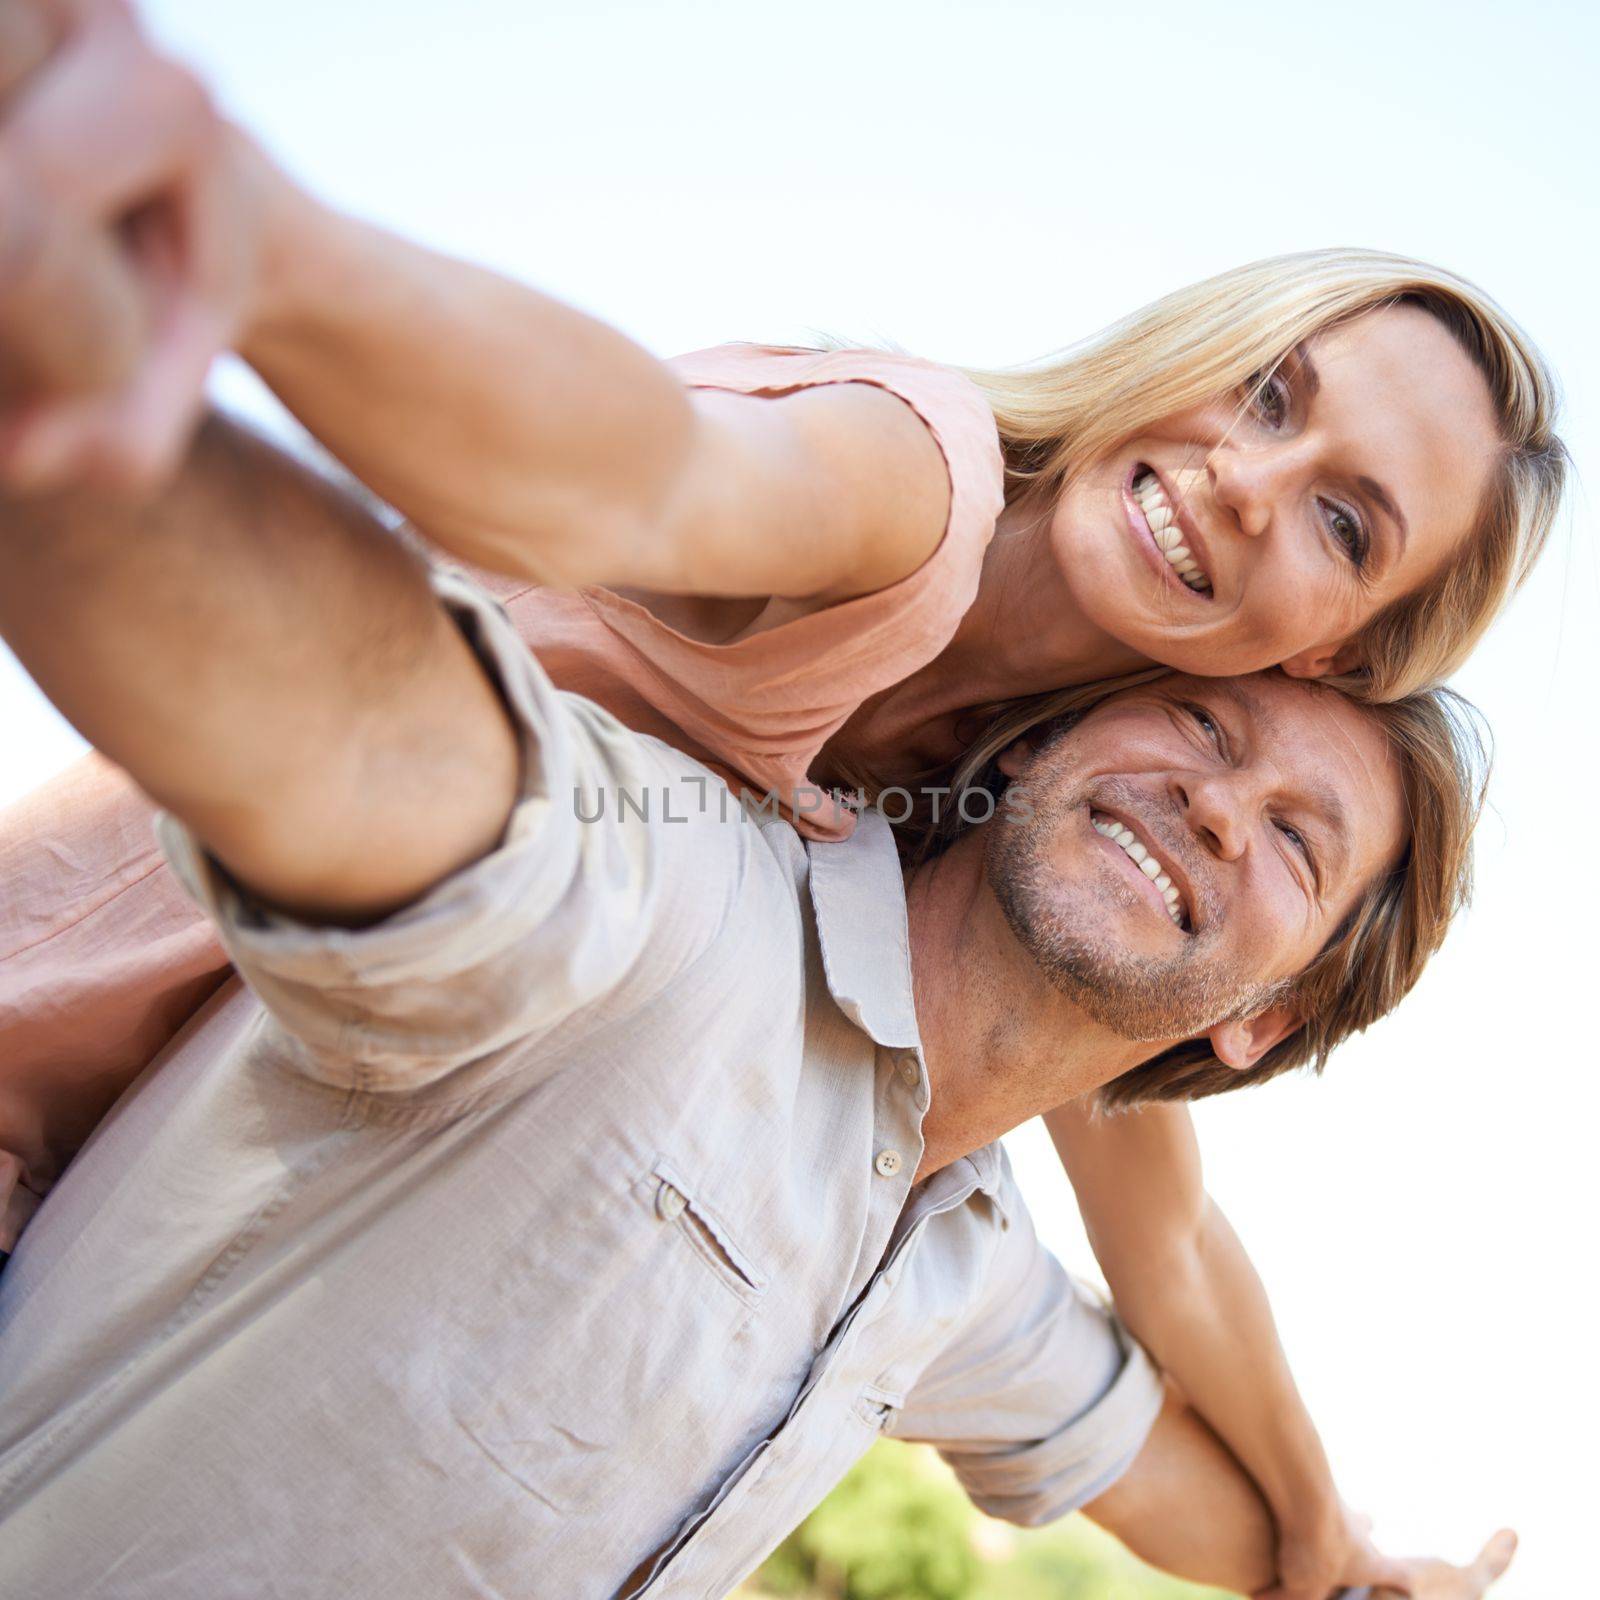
(1218, 808)
(1251, 483)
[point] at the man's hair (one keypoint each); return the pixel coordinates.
(1375, 955)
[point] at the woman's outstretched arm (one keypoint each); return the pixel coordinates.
(1187, 1290)
(518, 432)
(530, 438)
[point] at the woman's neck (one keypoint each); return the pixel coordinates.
(1024, 632)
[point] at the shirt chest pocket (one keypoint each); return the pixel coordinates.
(602, 1347)
(675, 1202)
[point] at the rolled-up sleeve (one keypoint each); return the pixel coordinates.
(576, 903)
(1045, 1402)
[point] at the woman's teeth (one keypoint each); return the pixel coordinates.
(1163, 522)
(1144, 861)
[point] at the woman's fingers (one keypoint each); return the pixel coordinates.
(107, 124)
(69, 313)
(28, 33)
(145, 430)
(131, 440)
(41, 444)
(106, 153)
(72, 314)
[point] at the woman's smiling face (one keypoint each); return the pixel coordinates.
(1234, 537)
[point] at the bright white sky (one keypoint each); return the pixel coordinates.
(988, 182)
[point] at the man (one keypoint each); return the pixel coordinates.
(572, 1201)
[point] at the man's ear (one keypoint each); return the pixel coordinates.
(1015, 757)
(1323, 661)
(1241, 1045)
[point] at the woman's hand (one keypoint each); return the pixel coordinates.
(131, 251)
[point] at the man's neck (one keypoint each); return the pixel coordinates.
(1001, 1045)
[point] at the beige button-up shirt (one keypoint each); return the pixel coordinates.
(560, 1223)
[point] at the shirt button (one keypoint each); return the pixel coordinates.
(910, 1073)
(669, 1203)
(888, 1163)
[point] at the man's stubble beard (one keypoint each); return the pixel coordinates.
(1143, 998)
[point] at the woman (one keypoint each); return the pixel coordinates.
(810, 567)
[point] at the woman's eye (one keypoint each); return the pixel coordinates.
(1269, 398)
(1348, 531)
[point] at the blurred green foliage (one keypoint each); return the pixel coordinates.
(898, 1527)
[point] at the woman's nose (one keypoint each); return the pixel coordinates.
(1246, 483)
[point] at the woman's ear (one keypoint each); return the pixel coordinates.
(1241, 1045)
(1015, 757)
(1323, 661)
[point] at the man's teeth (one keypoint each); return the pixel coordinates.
(1145, 862)
(1164, 530)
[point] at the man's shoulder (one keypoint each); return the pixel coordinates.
(669, 791)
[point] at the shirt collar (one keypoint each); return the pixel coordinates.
(859, 895)
(990, 1165)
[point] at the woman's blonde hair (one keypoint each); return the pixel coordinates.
(1377, 953)
(1059, 416)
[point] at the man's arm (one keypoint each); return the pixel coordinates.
(1187, 1507)
(270, 665)
(341, 736)
(1188, 1292)
(1042, 1405)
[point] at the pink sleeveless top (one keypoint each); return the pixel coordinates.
(104, 959)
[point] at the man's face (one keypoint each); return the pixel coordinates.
(1266, 807)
